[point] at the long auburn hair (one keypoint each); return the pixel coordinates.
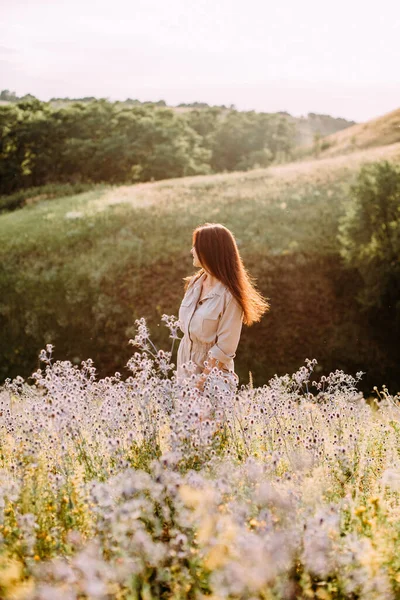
(219, 255)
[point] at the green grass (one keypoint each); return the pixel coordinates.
(29, 196)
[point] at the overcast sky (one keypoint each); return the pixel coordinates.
(340, 58)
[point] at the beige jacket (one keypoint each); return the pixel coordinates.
(211, 327)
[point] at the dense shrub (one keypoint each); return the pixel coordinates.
(370, 236)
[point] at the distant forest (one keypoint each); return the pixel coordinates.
(89, 140)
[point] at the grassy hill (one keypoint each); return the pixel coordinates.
(77, 271)
(382, 131)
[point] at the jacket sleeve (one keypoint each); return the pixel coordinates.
(228, 332)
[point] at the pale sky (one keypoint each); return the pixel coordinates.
(340, 58)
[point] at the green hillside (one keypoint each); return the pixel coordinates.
(77, 271)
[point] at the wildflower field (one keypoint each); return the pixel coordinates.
(143, 487)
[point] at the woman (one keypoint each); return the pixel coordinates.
(218, 299)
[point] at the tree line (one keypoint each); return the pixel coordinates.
(101, 141)
(98, 141)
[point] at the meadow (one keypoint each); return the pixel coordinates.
(144, 488)
(77, 271)
(118, 482)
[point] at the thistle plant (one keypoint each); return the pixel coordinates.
(145, 487)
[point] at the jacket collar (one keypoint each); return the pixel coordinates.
(217, 290)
